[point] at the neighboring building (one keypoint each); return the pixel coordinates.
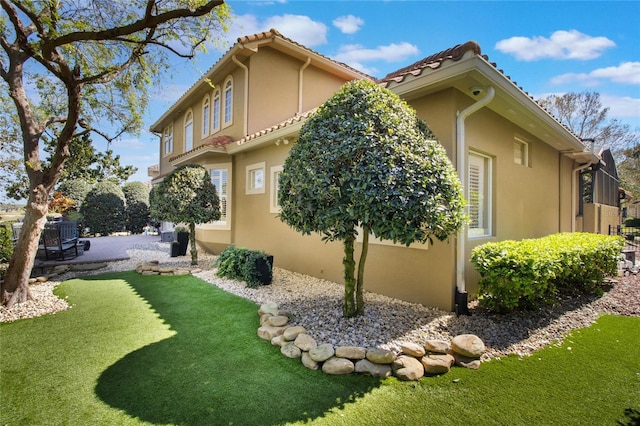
(520, 165)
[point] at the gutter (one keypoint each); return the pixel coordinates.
(245, 119)
(461, 154)
(574, 191)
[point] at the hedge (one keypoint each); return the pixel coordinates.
(517, 275)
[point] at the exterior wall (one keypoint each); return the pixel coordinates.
(598, 218)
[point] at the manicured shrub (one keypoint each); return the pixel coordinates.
(76, 189)
(103, 209)
(632, 222)
(6, 247)
(137, 209)
(238, 263)
(518, 275)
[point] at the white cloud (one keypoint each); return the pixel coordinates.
(625, 73)
(354, 53)
(299, 28)
(348, 24)
(561, 45)
(621, 106)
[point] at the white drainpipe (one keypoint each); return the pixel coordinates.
(461, 154)
(300, 80)
(246, 94)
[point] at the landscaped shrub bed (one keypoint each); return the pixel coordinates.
(252, 266)
(518, 275)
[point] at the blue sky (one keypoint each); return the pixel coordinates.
(547, 47)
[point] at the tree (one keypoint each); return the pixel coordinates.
(186, 195)
(84, 62)
(137, 210)
(103, 209)
(629, 169)
(76, 189)
(364, 160)
(584, 114)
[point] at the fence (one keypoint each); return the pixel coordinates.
(631, 235)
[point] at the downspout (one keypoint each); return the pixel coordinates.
(461, 153)
(300, 81)
(245, 124)
(574, 193)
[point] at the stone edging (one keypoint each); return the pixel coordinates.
(153, 268)
(412, 363)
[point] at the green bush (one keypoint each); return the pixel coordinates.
(238, 263)
(6, 246)
(103, 209)
(137, 211)
(518, 275)
(632, 222)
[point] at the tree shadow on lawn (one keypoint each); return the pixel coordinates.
(215, 370)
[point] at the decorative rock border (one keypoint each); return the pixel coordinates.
(413, 362)
(153, 268)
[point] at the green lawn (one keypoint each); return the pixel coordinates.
(176, 350)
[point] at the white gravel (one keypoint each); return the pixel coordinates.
(316, 304)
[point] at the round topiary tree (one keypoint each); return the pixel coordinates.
(137, 211)
(186, 195)
(103, 208)
(364, 160)
(76, 189)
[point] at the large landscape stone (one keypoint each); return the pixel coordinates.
(437, 346)
(437, 363)
(376, 370)
(277, 321)
(268, 332)
(308, 362)
(407, 368)
(290, 350)
(278, 341)
(292, 332)
(268, 308)
(351, 352)
(305, 342)
(380, 356)
(338, 366)
(412, 349)
(322, 352)
(468, 345)
(466, 362)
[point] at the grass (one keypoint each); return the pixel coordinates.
(176, 350)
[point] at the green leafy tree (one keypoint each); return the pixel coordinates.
(103, 209)
(364, 160)
(137, 211)
(88, 65)
(186, 195)
(584, 114)
(76, 189)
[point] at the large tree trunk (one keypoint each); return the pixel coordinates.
(349, 304)
(15, 288)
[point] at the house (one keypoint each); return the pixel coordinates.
(520, 166)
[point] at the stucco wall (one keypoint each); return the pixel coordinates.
(597, 218)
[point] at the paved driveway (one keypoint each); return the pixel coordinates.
(104, 249)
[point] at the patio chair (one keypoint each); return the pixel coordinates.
(57, 242)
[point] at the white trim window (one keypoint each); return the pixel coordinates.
(188, 131)
(480, 195)
(255, 179)
(167, 139)
(228, 102)
(220, 179)
(274, 206)
(520, 152)
(206, 116)
(216, 112)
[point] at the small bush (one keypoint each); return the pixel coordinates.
(632, 222)
(518, 275)
(238, 263)
(6, 246)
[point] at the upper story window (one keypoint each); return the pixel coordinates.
(255, 179)
(167, 139)
(188, 131)
(206, 115)
(520, 152)
(480, 195)
(216, 112)
(228, 101)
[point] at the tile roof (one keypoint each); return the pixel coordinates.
(212, 141)
(286, 123)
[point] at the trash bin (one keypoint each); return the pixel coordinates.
(175, 249)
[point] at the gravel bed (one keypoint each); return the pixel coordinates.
(316, 304)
